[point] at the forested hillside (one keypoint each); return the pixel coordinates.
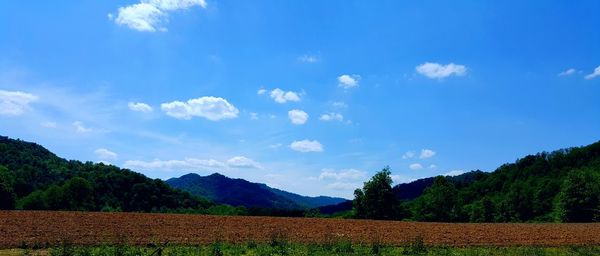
(31, 177)
(563, 185)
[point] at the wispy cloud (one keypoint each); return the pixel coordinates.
(594, 74)
(427, 153)
(344, 185)
(344, 174)
(49, 124)
(415, 166)
(188, 164)
(253, 116)
(105, 154)
(408, 155)
(151, 15)
(332, 117)
(193, 164)
(308, 58)
(339, 104)
(14, 103)
(567, 72)
(81, 128)
(243, 162)
(139, 107)
(306, 146)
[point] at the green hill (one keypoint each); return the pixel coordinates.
(31, 177)
(561, 186)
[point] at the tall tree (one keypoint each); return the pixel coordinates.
(376, 200)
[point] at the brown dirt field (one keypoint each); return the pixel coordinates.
(43, 228)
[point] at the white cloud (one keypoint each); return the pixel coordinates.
(139, 107)
(243, 162)
(105, 154)
(438, 71)
(567, 72)
(415, 166)
(309, 58)
(253, 115)
(151, 15)
(48, 124)
(192, 164)
(141, 17)
(427, 153)
(454, 173)
(188, 164)
(297, 116)
(344, 174)
(594, 74)
(80, 128)
(399, 179)
(261, 91)
(332, 117)
(432, 166)
(281, 96)
(307, 146)
(348, 81)
(211, 108)
(14, 103)
(408, 155)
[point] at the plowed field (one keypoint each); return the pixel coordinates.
(53, 228)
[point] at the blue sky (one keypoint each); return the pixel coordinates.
(309, 96)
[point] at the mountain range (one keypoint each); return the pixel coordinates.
(238, 192)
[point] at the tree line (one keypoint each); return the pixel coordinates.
(562, 186)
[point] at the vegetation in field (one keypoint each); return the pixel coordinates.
(338, 248)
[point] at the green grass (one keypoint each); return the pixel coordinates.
(281, 247)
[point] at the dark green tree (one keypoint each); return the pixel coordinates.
(34, 201)
(78, 193)
(579, 200)
(376, 200)
(55, 198)
(482, 211)
(7, 195)
(438, 202)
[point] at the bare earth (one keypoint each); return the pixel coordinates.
(31, 228)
